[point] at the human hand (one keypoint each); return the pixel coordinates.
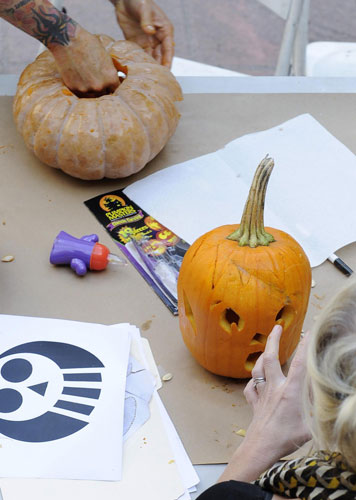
(277, 403)
(277, 427)
(85, 66)
(143, 22)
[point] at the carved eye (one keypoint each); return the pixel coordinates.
(189, 312)
(259, 338)
(228, 318)
(285, 316)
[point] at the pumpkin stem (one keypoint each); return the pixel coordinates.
(251, 231)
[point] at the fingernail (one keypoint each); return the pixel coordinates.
(150, 28)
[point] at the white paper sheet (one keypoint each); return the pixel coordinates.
(152, 462)
(311, 190)
(185, 467)
(192, 197)
(139, 389)
(189, 476)
(150, 469)
(62, 390)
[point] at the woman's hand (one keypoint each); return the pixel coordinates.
(85, 66)
(277, 403)
(277, 427)
(143, 22)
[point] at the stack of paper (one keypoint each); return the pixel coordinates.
(63, 389)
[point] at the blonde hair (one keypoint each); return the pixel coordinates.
(331, 377)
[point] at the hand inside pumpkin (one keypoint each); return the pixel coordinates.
(278, 427)
(85, 66)
(143, 22)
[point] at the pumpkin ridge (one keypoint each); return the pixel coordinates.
(64, 122)
(296, 252)
(259, 279)
(136, 88)
(156, 75)
(228, 261)
(243, 272)
(29, 117)
(143, 127)
(23, 111)
(296, 249)
(251, 270)
(101, 132)
(152, 147)
(214, 267)
(162, 97)
(200, 243)
(45, 141)
(271, 253)
(129, 95)
(33, 81)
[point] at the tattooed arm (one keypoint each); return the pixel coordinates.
(85, 66)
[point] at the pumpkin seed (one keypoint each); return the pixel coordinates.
(167, 377)
(8, 258)
(241, 432)
(313, 284)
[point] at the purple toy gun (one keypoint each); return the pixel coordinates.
(83, 253)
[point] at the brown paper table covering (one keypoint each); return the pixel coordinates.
(38, 201)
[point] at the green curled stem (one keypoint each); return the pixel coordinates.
(251, 231)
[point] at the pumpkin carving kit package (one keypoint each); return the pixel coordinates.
(154, 250)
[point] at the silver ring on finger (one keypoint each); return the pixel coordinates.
(258, 380)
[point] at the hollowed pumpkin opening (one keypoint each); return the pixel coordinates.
(251, 360)
(228, 318)
(285, 316)
(121, 69)
(189, 313)
(259, 338)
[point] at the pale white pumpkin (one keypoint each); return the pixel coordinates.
(111, 136)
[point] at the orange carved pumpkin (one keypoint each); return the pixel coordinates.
(110, 136)
(236, 283)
